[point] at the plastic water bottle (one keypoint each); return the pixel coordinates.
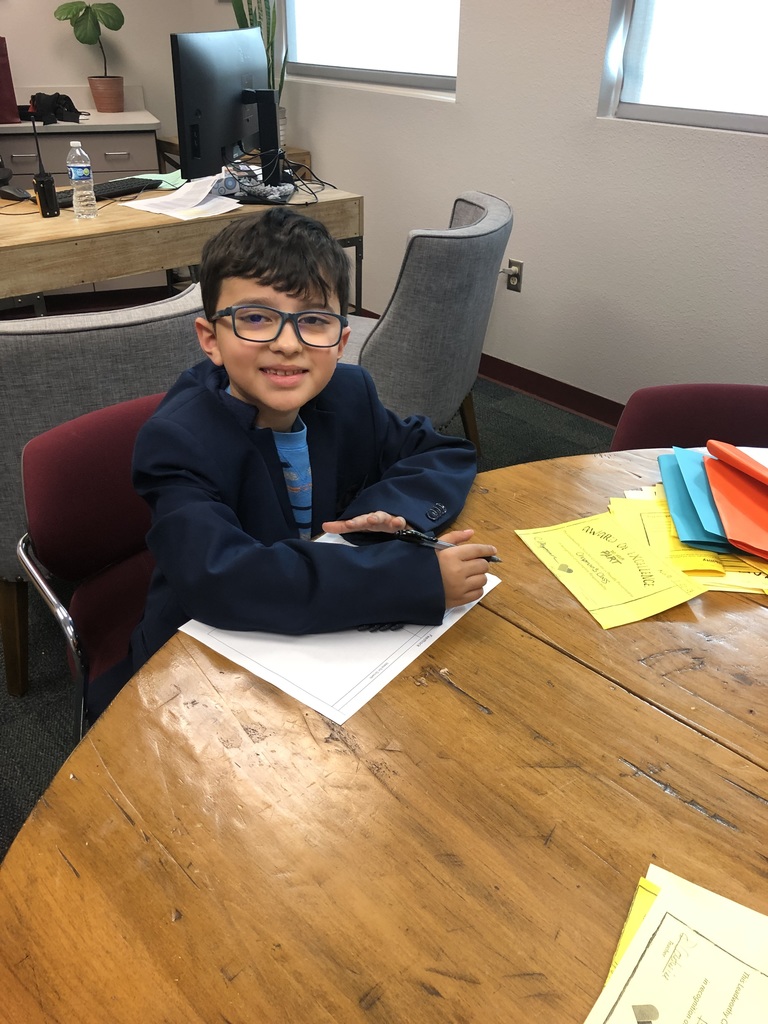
(81, 179)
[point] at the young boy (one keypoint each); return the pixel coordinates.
(271, 441)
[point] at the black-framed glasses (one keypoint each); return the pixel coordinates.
(315, 327)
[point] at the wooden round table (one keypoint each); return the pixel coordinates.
(464, 848)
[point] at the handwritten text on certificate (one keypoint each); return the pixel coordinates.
(608, 571)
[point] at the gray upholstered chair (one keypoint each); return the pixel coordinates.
(58, 367)
(424, 351)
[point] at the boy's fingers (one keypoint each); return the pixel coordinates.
(371, 521)
(456, 536)
(472, 552)
(338, 526)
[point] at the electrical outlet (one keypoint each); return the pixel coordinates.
(514, 274)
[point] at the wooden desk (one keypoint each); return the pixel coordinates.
(703, 662)
(38, 254)
(464, 848)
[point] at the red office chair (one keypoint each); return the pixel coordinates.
(87, 526)
(689, 415)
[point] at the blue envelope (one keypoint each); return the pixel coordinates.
(695, 476)
(687, 522)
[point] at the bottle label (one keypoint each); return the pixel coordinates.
(79, 172)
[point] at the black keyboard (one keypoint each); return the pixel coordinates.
(112, 189)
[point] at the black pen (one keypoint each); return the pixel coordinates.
(424, 540)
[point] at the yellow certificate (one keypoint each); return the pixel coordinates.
(645, 893)
(652, 525)
(617, 579)
(652, 521)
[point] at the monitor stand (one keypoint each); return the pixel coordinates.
(266, 101)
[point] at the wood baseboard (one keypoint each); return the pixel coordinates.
(565, 396)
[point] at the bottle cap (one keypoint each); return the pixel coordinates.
(75, 144)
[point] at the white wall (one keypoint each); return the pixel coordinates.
(645, 246)
(44, 53)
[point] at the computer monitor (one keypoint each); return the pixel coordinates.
(211, 73)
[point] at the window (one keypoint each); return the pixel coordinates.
(401, 42)
(694, 62)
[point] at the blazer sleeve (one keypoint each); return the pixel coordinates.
(421, 474)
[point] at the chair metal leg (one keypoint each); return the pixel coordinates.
(14, 628)
(469, 422)
(24, 553)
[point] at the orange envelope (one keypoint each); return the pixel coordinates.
(739, 487)
(740, 460)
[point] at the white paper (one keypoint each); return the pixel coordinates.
(334, 673)
(190, 201)
(697, 958)
(759, 455)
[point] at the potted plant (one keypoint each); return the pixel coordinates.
(86, 21)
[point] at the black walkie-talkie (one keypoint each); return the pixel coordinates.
(45, 188)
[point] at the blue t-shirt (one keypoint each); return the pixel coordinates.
(294, 458)
(293, 451)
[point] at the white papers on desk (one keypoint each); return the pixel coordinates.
(758, 454)
(696, 957)
(334, 673)
(188, 202)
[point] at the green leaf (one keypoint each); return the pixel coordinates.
(282, 74)
(109, 15)
(86, 27)
(240, 16)
(69, 11)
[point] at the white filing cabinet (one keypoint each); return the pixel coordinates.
(113, 154)
(119, 145)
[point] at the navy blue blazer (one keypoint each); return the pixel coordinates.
(223, 534)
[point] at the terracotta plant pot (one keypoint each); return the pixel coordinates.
(107, 93)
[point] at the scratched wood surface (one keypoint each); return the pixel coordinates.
(61, 251)
(464, 848)
(704, 661)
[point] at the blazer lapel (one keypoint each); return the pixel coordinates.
(264, 442)
(323, 459)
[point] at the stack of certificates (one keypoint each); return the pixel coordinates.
(704, 527)
(686, 955)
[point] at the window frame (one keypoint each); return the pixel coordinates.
(399, 79)
(610, 104)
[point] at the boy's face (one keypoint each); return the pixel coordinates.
(277, 377)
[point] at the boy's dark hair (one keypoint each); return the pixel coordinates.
(282, 250)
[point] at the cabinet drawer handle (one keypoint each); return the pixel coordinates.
(125, 154)
(23, 156)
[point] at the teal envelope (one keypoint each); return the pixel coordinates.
(695, 476)
(683, 511)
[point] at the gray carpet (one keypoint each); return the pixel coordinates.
(35, 730)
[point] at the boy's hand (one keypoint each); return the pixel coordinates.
(463, 568)
(371, 522)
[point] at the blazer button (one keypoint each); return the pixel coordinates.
(436, 512)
